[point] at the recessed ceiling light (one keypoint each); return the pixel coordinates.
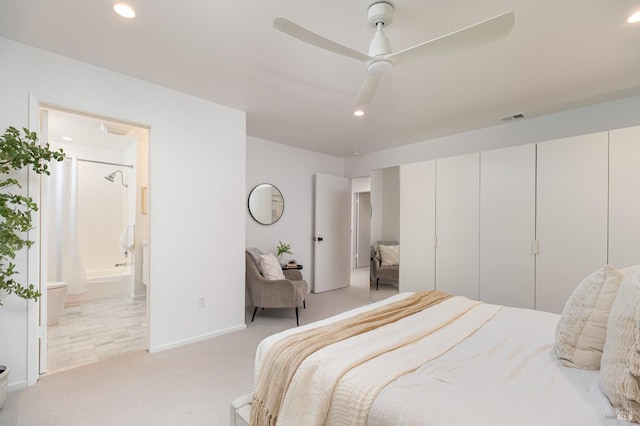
(67, 138)
(632, 19)
(124, 10)
(358, 113)
(355, 153)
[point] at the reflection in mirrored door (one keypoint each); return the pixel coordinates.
(385, 230)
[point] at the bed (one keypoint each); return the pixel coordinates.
(453, 362)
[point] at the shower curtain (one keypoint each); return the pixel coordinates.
(64, 256)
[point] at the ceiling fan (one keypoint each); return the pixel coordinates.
(380, 59)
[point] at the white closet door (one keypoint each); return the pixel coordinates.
(507, 226)
(571, 215)
(624, 197)
(457, 224)
(417, 226)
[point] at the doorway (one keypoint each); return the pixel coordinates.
(93, 226)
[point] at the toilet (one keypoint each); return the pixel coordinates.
(56, 296)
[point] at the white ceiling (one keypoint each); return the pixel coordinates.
(90, 131)
(560, 55)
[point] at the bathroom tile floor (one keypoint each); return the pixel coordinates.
(95, 331)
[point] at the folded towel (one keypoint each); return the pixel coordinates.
(127, 238)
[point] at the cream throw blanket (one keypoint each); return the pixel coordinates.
(285, 356)
(451, 322)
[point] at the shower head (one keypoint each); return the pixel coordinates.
(110, 177)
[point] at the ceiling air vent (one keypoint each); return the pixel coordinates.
(512, 117)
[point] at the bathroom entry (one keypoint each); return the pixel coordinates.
(94, 224)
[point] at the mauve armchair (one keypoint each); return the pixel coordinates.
(290, 292)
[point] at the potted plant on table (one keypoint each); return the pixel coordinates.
(282, 249)
(16, 152)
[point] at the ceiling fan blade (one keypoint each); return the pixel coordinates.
(368, 90)
(303, 34)
(475, 35)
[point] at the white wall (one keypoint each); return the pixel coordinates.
(291, 170)
(599, 117)
(197, 196)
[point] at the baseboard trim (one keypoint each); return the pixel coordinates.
(196, 339)
(16, 386)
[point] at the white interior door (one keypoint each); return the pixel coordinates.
(363, 228)
(331, 233)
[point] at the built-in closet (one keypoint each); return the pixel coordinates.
(457, 224)
(624, 197)
(507, 225)
(418, 225)
(571, 218)
(521, 226)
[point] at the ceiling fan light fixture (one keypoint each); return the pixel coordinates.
(124, 10)
(634, 18)
(381, 66)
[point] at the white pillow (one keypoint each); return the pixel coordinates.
(270, 267)
(582, 329)
(389, 255)
(617, 367)
(635, 269)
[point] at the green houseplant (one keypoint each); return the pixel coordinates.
(283, 248)
(16, 152)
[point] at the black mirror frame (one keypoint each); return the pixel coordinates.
(249, 203)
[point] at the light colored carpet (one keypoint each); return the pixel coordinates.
(191, 385)
(384, 291)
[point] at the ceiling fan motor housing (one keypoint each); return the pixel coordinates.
(380, 45)
(380, 13)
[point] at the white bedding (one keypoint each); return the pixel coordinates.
(505, 373)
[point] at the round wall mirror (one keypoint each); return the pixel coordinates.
(266, 204)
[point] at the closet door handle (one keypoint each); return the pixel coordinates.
(535, 247)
